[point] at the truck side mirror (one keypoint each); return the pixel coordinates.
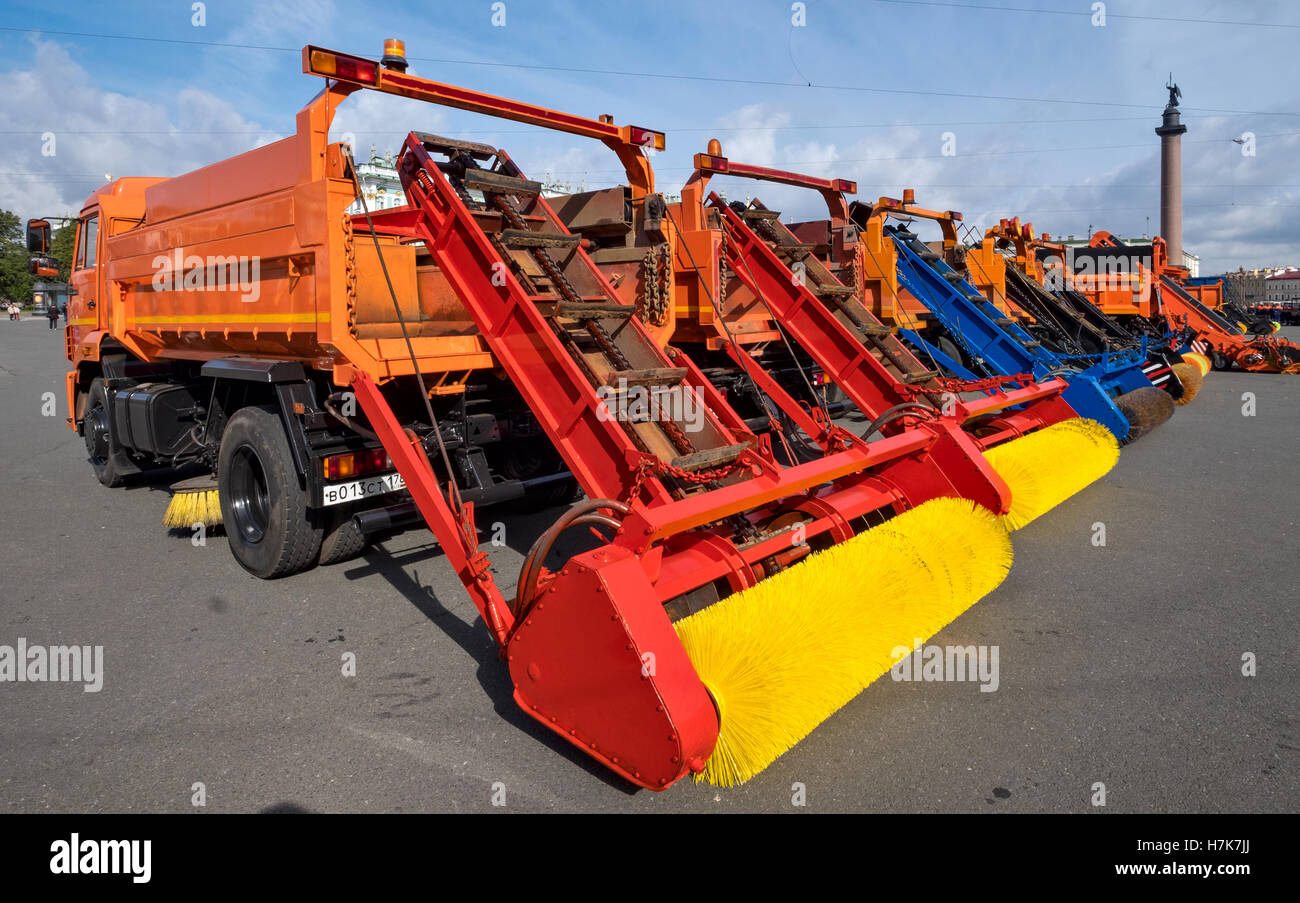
(38, 237)
(45, 267)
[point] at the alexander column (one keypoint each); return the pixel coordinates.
(1171, 177)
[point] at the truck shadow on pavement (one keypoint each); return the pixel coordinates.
(473, 637)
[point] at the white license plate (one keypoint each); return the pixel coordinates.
(365, 488)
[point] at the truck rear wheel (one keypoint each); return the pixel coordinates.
(531, 460)
(342, 540)
(110, 462)
(270, 530)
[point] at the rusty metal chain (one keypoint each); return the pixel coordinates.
(649, 286)
(593, 326)
(963, 385)
(680, 440)
(350, 272)
(647, 468)
(655, 292)
(724, 270)
(664, 276)
(607, 345)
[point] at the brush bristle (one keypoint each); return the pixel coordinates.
(782, 656)
(1145, 409)
(1046, 467)
(1191, 377)
(190, 507)
(1200, 360)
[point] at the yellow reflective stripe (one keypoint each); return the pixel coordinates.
(307, 317)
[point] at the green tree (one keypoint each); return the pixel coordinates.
(15, 281)
(61, 249)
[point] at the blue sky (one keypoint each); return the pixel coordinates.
(883, 77)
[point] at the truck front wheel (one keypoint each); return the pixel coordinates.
(264, 508)
(112, 465)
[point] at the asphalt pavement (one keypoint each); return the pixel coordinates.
(1119, 665)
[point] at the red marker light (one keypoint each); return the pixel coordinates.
(345, 68)
(647, 138)
(351, 464)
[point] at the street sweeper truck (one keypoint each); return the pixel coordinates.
(332, 376)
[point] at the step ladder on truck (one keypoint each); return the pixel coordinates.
(1003, 267)
(1113, 391)
(768, 321)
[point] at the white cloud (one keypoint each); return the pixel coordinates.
(751, 133)
(383, 121)
(99, 132)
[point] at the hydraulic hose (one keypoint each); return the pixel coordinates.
(583, 513)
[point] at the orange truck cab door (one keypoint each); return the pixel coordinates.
(85, 312)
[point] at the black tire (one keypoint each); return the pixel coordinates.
(1219, 360)
(533, 459)
(110, 462)
(342, 541)
(950, 348)
(560, 493)
(264, 508)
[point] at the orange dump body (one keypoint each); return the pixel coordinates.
(256, 255)
(986, 270)
(877, 259)
(1209, 294)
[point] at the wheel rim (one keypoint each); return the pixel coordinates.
(95, 430)
(249, 500)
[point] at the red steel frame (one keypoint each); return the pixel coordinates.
(597, 450)
(844, 358)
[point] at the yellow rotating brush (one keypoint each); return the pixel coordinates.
(782, 656)
(1201, 361)
(193, 502)
(1046, 467)
(1191, 377)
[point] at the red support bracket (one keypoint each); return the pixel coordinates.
(455, 533)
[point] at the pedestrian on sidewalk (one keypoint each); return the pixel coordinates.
(53, 313)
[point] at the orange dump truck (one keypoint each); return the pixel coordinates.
(235, 303)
